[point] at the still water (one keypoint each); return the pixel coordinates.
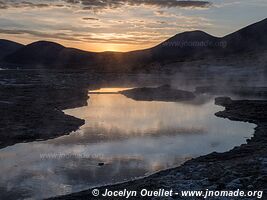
(131, 138)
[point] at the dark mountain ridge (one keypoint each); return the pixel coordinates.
(8, 47)
(185, 46)
(193, 44)
(250, 38)
(45, 53)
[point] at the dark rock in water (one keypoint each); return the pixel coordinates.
(223, 101)
(101, 164)
(163, 93)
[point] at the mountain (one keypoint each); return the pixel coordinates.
(193, 44)
(46, 53)
(181, 47)
(198, 44)
(251, 38)
(7, 47)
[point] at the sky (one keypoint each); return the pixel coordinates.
(121, 25)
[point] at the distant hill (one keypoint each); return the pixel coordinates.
(197, 44)
(192, 45)
(8, 47)
(185, 46)
(251, 38)
(46, 53)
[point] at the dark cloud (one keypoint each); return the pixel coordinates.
(102, 4)
(83, 37)
(3, 5)
(23, 4)
(38, 34)
(90, 18)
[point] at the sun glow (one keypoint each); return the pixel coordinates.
(109, 90)
(102, 47)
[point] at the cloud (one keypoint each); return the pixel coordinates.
(38, 34)
(142, 24)
(134, 38)
(3, 5)
(26, 4)
(105, 4)
(90, 18)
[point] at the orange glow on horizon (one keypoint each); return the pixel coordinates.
(93, 47)
(102, 47)
(107, 90)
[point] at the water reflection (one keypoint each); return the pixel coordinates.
(132, 138)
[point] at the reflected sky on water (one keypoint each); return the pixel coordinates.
(132, 139)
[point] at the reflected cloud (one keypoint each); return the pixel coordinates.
(97, 134)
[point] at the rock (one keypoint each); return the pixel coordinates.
(235, 184)
(223, 101)
(250, 187)
(163, 93)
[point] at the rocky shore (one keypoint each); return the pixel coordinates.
(31, 104)
(32, 101)
(243, 167)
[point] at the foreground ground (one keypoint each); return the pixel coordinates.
(243, 168)
(31, 104)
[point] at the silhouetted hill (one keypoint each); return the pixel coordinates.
(251, 38)
(8, 47)
(46, 53)
(185, 46)
(41, 52)
(194, 45)
(191, 45)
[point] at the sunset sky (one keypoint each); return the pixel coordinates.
(116, 25)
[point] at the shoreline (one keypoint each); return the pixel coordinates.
(33, 109)
(241, 168)
(50, 98)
